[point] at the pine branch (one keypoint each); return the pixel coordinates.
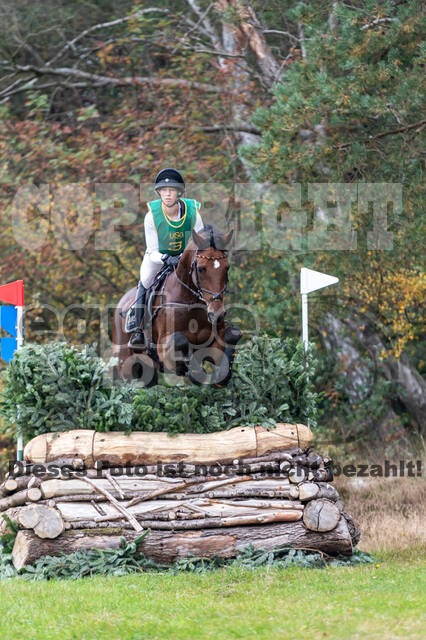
(420, 124)
(373, 23)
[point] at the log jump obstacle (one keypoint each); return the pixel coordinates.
(201, 494)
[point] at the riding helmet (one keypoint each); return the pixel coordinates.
(170, 178)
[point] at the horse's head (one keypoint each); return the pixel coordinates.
(209, 268)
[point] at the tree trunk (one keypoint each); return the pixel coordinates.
(410, 387)
(168, 546)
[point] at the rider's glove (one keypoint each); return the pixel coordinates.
(171, 261)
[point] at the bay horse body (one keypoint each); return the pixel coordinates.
(186, 327)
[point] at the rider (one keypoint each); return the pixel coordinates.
(168, 226)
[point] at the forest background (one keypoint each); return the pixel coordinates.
(239, 95)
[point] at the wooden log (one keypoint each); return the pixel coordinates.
(300, 460)
(284, 436)
(25, 468)
(269, 465)
(86, 497)
(248, 490)
(314, 460)
(22, 469)
(168, 546)
(321, 515)
(105, 524)
(172, 471)
(34, 494)
(45, 521)
(297, 475)
(256, 503)
(308, 491)
(323, 475)
(275, 456)
(327, 491)
(55, 487)
(354, 530)
(141, 447)
(50, 447)
(60, 474)
(10, 485)
(209, 523)
(98, 508)
(185, 485)
(240, 481)
(255, 492)
(21, 497)
(294, 492)
(34, 481)
(72, 511)
(114, 484)
(28, 518)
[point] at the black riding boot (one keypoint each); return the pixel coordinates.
(137, 337)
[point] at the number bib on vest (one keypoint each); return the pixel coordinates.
(174, 235)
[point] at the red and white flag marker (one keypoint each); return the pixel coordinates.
(12, 320)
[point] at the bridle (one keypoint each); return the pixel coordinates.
(198, 292)
(216, 295)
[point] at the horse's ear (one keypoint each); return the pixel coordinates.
(228, 237)
(201, 242)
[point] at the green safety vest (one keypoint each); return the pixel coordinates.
(174, 235)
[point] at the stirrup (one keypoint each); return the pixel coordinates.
(137, 340)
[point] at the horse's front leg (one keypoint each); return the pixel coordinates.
(173, 351)
(221, 354)
(231, 336)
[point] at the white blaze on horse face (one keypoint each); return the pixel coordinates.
(216, 264)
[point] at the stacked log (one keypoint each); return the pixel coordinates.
(204, 495)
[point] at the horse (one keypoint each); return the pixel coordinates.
(184, 322)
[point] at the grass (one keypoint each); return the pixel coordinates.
(383, 601)
(391, 512)
(380, 601)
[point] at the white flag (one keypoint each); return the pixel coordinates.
(313, 280)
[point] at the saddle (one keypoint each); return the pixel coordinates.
(151, 292)
(149, 315)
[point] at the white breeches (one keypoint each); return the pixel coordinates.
(149, 270)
